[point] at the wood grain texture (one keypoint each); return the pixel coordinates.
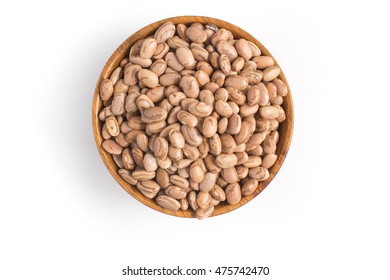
(285, 129)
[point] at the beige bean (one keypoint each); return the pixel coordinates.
(105, 113)
(203, 199)
(168, 202)
(228, 143)
(164, 32)
(121, 140)
(249, 187)
(135, 123)
(190, 86)
(169, 79)
(255, 49)
(242, 172)
(218, 193)
(175, 154)
(243, 49)
(207, 97)
(195, 34)
(131, 136)
(160, 148)
(127, 160)
(234, 124)
(185, 56)
(199, 53)
(258, 151)
(242, 157)
(191, 135)
(176, 97)
(229, 174)
(263, 61)
(143, 102)
(281, 87)
(238, 64)
(111, 147)
(204, 148)
(158, 67)
(161, 50)
(156, 127)
(202, 77)
(278, 100)
(187, 118)
(215, 145)
(221, 35)
(224, 64)
(153, 114)
(116, 75)
(196, 173)
(148, 188)
(254, 141)
(209, 161)
(271, 73)
(192, 200)
(223, 108)
(177, 42)
(138, 156)
(173, 62)
(253, 161)
(106, 89)
(269, 112)
(262, 125)
(272, 90)
(131, 74)
(218, 76)
(148, 78)
(125, 174)
(200, 109)
(148, 48)
(142, 174)
(183, 204)
(112, 126)
(226, 160)
(253, 95)
(269, 145)
(179, 181)
(176, 138)
(223, 125)
(236, 95)
(240, 148)
(175, 192)
(120, 86)
(190, 152)
(221, 182)
(130, 103)
(209, 126)
(164, 163)
(203, 213)
(150, 162)
(233, 193)
(118, 104)
(269, 160)
(162, 178)
(224, 47)
(258, 173)
(209, 181)
(238, 82)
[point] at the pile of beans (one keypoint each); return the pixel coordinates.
(191, 117)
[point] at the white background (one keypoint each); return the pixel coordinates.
(326, 214)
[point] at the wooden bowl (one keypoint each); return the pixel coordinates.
(285, 128)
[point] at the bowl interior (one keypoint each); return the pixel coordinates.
(285, 128)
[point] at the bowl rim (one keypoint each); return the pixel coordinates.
(122, 51)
